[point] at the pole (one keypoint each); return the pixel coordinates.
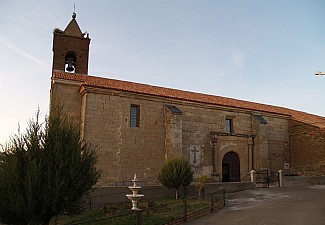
(212, 202)
(280, 172)
(138, 217)
(184, 210)
(224, 197)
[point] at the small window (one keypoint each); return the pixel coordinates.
(174, 109)
(134, 115)
(229, 126)
(261, 119)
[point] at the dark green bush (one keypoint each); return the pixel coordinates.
(45, 172)
(176, 173)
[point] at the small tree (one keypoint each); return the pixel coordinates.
(176, 173)
(200, 185)
(45, 172)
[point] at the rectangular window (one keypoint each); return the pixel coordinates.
(229, 126)
(134, 115)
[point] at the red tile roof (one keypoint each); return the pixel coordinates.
(119, 85)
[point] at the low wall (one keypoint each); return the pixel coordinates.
(103, 196)
(238, 186)
(302, 180)
(317, 180)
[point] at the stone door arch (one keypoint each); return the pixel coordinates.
(230, 167)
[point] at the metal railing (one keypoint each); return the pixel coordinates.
(171, 212)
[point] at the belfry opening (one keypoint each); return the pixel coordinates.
(70, 62)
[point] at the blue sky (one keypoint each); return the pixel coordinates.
(254, 50)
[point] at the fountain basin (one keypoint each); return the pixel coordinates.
(135, 197)
(135, 200)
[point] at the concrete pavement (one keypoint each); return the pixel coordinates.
(271, 206)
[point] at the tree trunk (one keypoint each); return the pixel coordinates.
(46, 221)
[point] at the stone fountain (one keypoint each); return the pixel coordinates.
(135, 197)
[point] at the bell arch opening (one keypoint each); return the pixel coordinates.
(70, 62)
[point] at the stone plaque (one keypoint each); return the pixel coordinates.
(195, 155)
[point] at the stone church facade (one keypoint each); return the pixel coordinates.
(137, 127)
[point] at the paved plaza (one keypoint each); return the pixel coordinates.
(271, 206)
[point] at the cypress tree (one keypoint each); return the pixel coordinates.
(46, 171)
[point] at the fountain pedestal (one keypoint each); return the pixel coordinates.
(135, 197)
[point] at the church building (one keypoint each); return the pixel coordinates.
(137, 127)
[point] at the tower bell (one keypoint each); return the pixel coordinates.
(71, 49)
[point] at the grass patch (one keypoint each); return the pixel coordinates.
(154, 212)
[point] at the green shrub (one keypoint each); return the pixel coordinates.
(201, 182)
(45, 172)
(175, 173)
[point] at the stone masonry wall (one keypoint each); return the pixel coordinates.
(125, 150)
(271, 144)
(199, 121)
(66, 93)
(62, 44)
(307, 147)
(260, 157)
(104, 116)
(174, 134)
(278, 144)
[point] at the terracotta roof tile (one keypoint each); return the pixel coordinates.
(107, 83)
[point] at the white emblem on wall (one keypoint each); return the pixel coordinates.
(195, 155)
(286, 166)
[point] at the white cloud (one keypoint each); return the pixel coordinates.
(21, 52)
(237, 58)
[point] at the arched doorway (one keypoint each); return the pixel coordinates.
(230, 168)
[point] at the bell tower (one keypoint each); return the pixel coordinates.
(71, 49)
